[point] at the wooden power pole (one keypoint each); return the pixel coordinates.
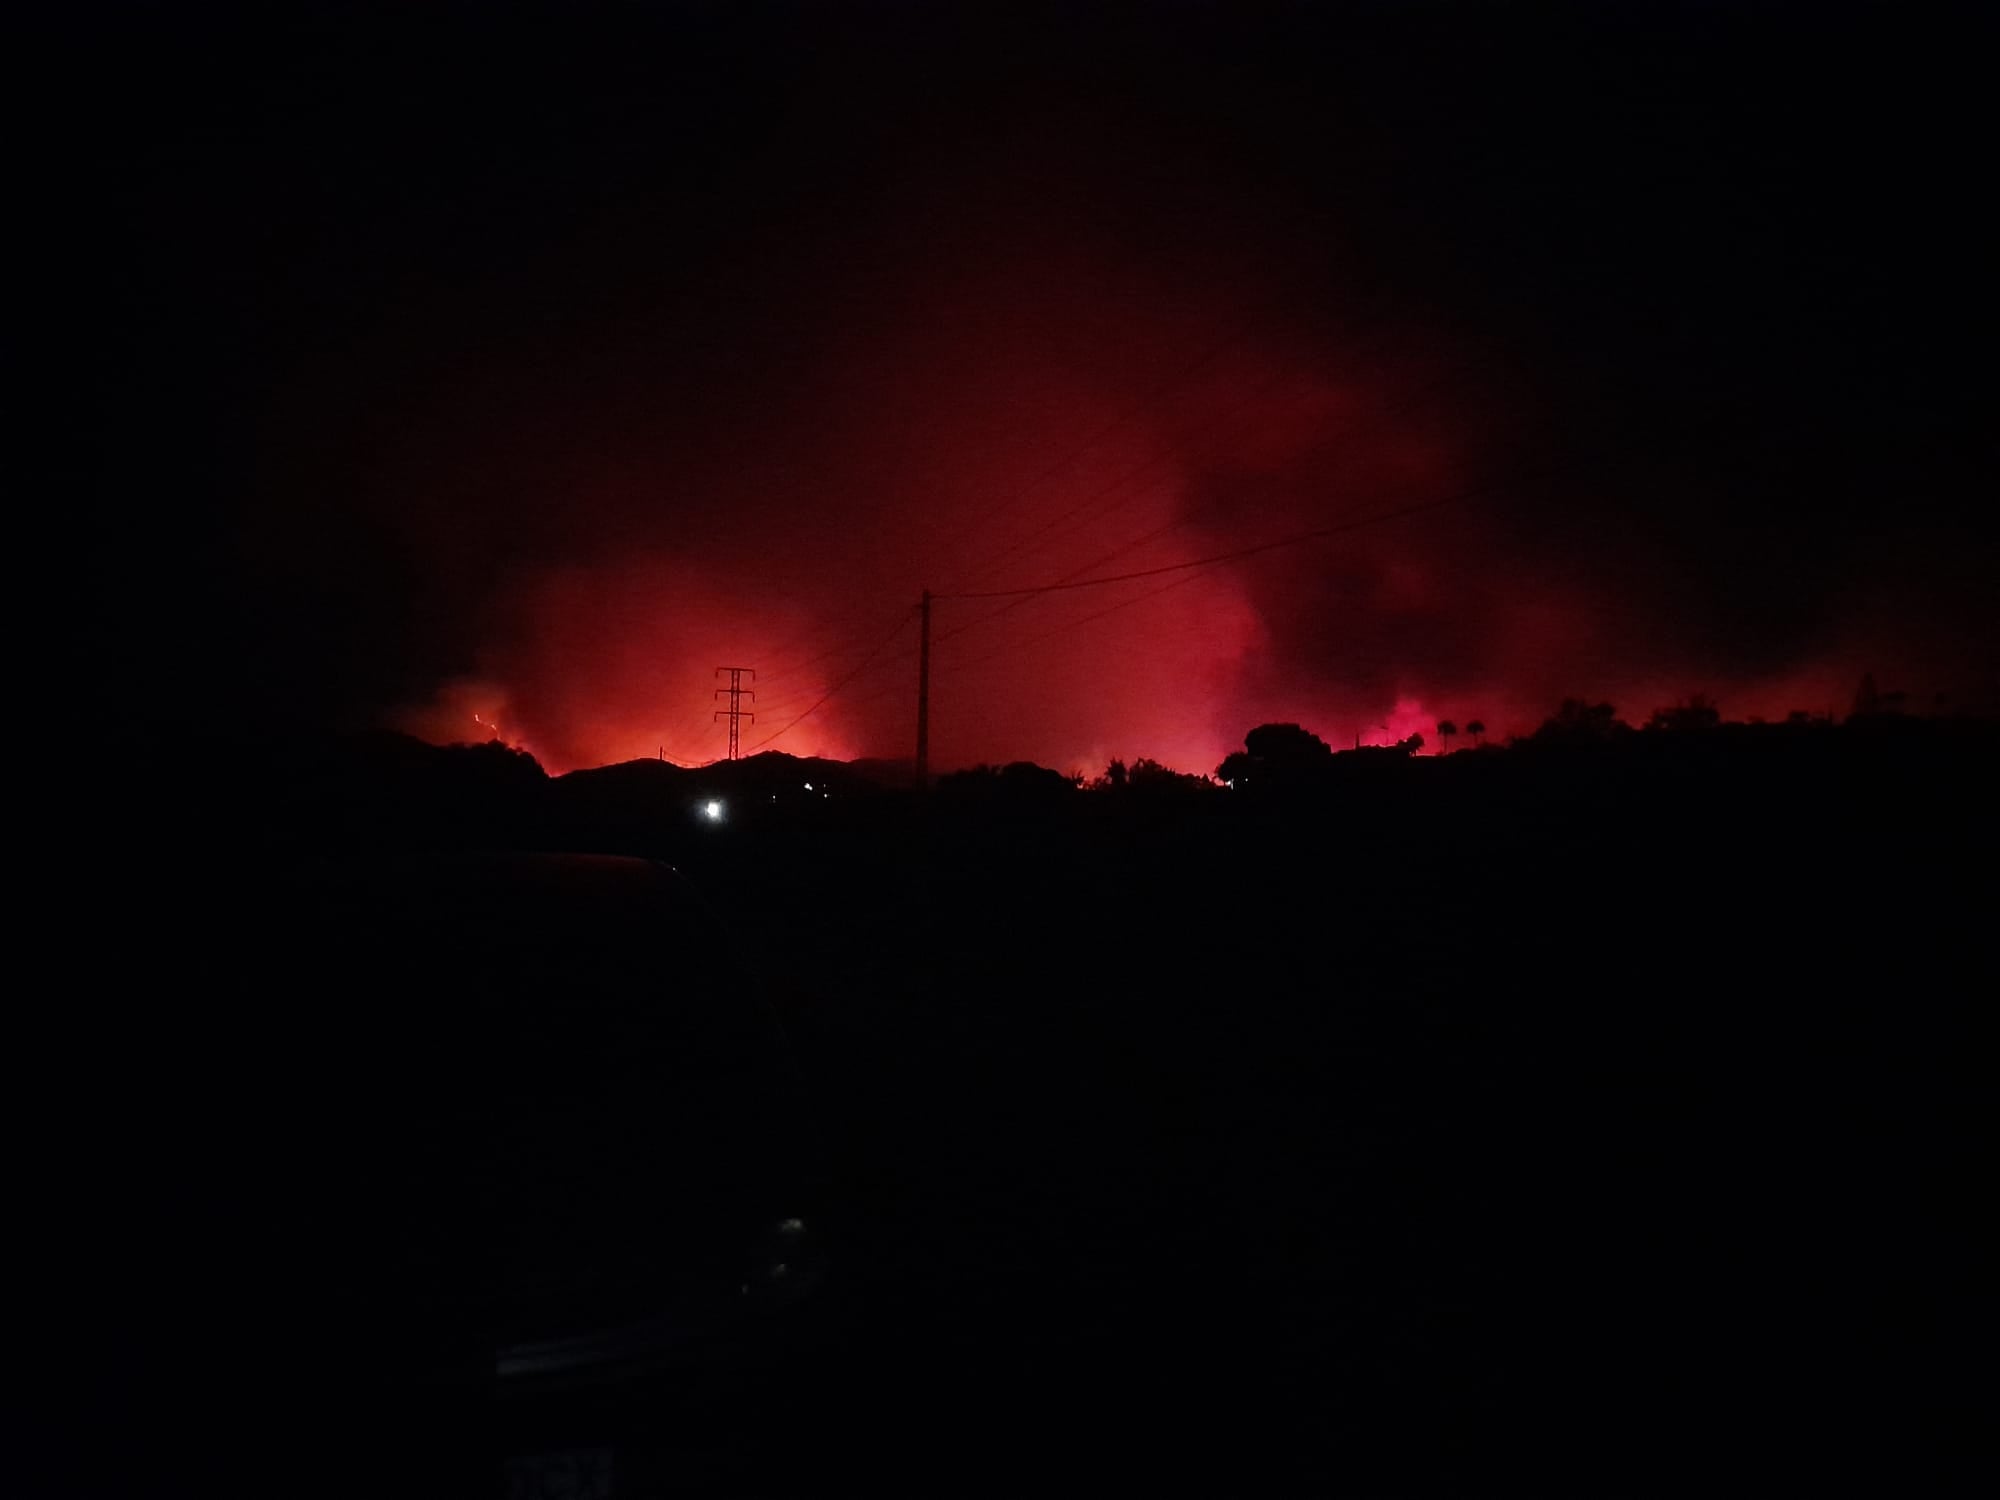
(924, 695)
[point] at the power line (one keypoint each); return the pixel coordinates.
(1191, 567)
(908, 653)
(1033, 541)
(859, 667)
(887, 689)
(1124, 418)
(851, 640)
(1068, 625)
(1297, 537)
(1018, 598)
(1241, 329)
(688, 733)
(1217, 422)
(866, 663)
(1082, 515)
(1338, 438)
(1037, 539)
(1035, 640)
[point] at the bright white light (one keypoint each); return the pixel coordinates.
(714, 811)
(809, 786)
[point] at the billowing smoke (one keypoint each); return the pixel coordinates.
(683, 376)
(1012, 428)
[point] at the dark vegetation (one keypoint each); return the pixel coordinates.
(1596, 1114)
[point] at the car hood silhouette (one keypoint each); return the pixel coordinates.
(561, 1133)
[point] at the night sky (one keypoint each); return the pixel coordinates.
(530, 366)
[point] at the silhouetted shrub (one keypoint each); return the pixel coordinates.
(1276, 756)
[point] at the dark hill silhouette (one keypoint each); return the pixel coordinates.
(323, 790)
(1573, 1077)
(1018, 786)
(772, 773)
(334, 791)
(776, 774)
(657, 807)
(633, 777)
(892, 774)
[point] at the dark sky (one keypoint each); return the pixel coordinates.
(529, 366)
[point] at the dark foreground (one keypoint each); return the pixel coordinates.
(1595, 1126)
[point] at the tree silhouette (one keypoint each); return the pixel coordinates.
(1017, 786)
(1276, 755)
(1286, 743)
(1446, 729)
(1475, 728)
(1686, 718)
(1149, 778)
(1577, 721)
(1866, 699)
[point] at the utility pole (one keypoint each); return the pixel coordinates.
(736, 692)
(924, 695)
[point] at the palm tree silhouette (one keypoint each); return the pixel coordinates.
(1446, 729)
(1475, 728)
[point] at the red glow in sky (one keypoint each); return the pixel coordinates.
(1002, 437)
(537, 389)
(1033, 357)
